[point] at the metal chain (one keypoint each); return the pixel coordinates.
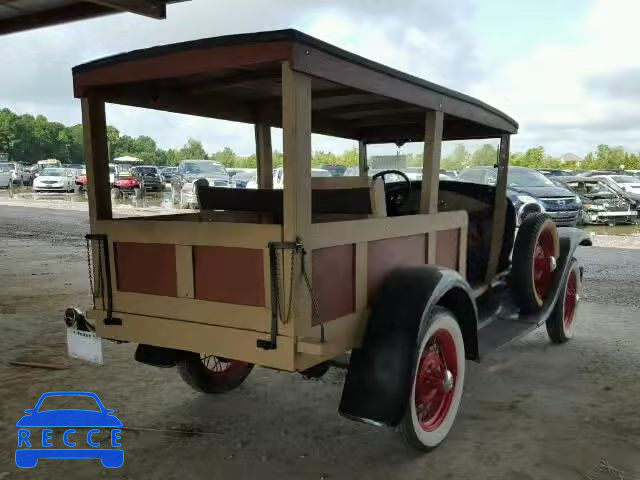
(297, 251)
(93, 292)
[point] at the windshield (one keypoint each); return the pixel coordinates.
(204, 168)
(7, 166)
(591, 189)
(53, 172)
(527, 178)
(625, 179)
(147, 170)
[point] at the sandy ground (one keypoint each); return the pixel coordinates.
(530, 411)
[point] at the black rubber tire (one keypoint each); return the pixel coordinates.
(556, 328)
(522, 279)
(194, 372)
(410, 433)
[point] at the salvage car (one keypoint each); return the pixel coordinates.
(601, 204)
(54, 180)
(400, 282)
(183, 188)
(627, 186)
(560, 203)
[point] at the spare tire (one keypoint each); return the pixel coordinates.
(211, 374)
(535, 254)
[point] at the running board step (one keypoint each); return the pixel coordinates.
(502, 331)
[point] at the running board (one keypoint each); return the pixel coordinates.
(501, 332)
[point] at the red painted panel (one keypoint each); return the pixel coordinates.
(385, 255)
(334, 281)
(146, 268)
(447, 248)
(229, 275)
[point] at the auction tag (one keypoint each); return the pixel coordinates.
(84, 346)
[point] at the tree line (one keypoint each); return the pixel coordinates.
(27, 138)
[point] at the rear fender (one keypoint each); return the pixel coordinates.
(380, 373)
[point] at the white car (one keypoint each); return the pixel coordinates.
(19, 175)
(54, 180)
(626, 183)
(278, 176)
(5, 177)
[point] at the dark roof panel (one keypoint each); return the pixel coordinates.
(239, 75)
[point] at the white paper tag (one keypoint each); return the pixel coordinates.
(84, 346)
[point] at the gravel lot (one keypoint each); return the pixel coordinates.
(530, 411)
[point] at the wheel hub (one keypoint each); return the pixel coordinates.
(447, 382)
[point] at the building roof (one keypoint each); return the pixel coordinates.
(19, 15)
(238, 77)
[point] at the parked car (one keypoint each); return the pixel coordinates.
(126, 183)
(19, 174)
(600, 203)
(242, 177)
(278, 175)
(168, 173)
(335, 170)
(560, 203)
(554, 172)
(5, 176)
(182, 183)
(148, 176)
(54, 180)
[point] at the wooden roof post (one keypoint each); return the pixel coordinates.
(94, 129)
(499, 210)
(296, 127)
(362, 159)
(264, 156)
(431, 172)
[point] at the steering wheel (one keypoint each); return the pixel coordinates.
(396, 195)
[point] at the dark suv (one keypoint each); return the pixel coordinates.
(149, 177)
(560, 203)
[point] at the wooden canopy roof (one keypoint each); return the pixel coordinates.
(18, 15)
(238, 78)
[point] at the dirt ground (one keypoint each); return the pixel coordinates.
(530, 411)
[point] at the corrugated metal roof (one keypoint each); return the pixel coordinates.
(18, 15)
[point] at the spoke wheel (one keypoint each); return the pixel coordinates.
(438, 383)
(561, 322)
(535, 255)
(212, 374)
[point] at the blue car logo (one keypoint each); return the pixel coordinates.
(33, 446)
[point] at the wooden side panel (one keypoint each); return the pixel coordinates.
(448, 247)
(385, 255)
(334, 281)
(146, 268)
(229, 275)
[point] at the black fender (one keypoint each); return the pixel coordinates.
(380, 373)
(570, 239)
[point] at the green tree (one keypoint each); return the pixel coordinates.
(485, 155)
(193, 150)
(458, 159)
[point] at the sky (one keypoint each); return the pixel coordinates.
(567, 70)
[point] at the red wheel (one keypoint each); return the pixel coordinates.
(437, 386)
(561, 322)
(211, 374)
(535, 254)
